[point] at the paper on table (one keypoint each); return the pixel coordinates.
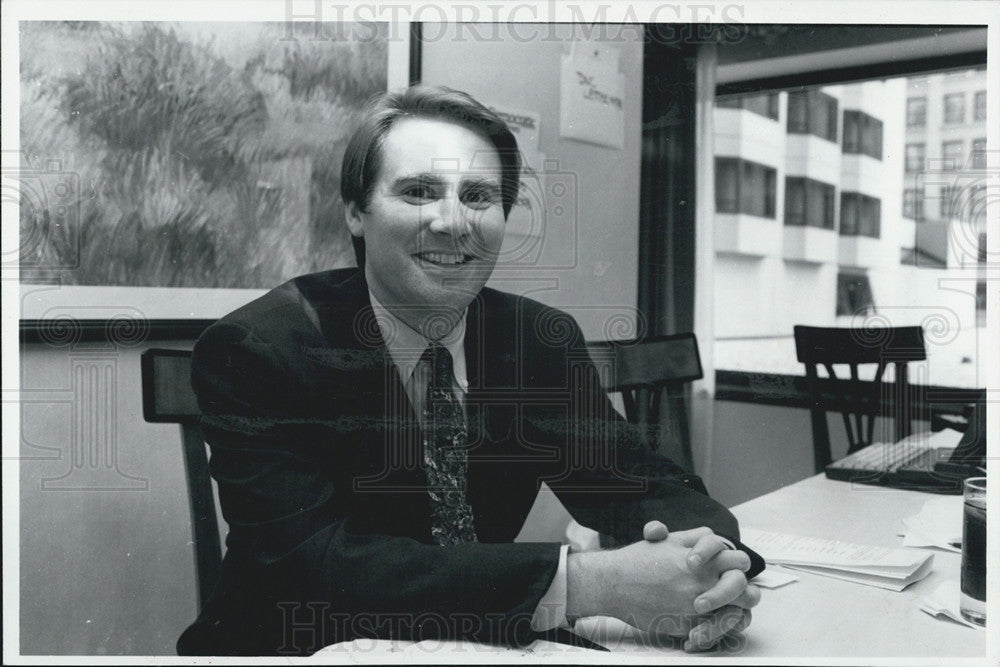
(894, 569)
(891, 583)
(781, 547)
(774, 577)
(939, 524)
(944, 601)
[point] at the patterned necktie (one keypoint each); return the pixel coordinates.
(445, 455)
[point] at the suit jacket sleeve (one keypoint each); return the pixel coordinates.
(296, 577)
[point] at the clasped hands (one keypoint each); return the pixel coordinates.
(687, 583)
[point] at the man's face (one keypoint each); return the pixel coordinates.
(435, 221)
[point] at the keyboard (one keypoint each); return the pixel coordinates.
(899, 465)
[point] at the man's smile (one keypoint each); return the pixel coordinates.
(444, 258)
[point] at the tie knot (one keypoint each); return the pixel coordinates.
(441, 368)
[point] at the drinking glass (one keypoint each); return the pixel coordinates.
(973, 604)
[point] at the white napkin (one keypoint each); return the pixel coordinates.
(944, 601)
(939, 524)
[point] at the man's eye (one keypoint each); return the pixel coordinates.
(418, 193)
(479, 197)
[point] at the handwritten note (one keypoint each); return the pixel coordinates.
(592, 97)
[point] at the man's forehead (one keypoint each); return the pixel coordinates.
(429, 146)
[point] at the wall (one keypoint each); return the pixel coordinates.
(518, 68)
(107, 565)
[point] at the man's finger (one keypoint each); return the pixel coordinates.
(706, 548)
(707, 634)
(731, 585)
(655, 531)
(728, 559)
(748, 598)
(690, 537)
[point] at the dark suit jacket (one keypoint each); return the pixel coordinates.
(317, 454)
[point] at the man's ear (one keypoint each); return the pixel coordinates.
(352, 212)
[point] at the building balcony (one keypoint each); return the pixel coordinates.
(743, 234)
(813, 157)
(862, 252)
(743, 133)
(864, 174)
(810, 244)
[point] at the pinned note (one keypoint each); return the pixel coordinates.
(592, 96)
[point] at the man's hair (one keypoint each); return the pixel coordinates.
(363, 156)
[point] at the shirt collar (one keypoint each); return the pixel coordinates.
(406, 345)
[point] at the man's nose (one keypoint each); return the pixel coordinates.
(448, 217)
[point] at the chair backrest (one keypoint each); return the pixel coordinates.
(649, 372)
(859, 401)
(167, 397)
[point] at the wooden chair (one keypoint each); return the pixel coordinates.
(859, 401)
(167, 397)
(649, 372)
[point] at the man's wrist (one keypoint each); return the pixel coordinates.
(586, 575)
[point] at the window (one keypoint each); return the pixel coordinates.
(954, 108)
(979, 109)
(916, 112)
(763, 105)
(951, 206)
(977, 206)
(860, 215)
(978, 154)
(951, 155)
(854, 294)
(862, 134)
(916, 156)
(812, 112)
(808, 203)
(742, 186)
(913, 204)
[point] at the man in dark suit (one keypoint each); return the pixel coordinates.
(379, 435)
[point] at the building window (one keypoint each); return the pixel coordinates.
(951, 205)
(977, 206)
(812, 112)
(742, 186)
(916, 112)
(860, 215)
(916, 156)
(979, 112)
(913, 204)
(862, 134)
(763, 105)
(854, 294)
(981, 304)
(978, 154)
(954, 108)
(808, 203)
(951, 155)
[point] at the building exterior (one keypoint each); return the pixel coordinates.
(848, 205)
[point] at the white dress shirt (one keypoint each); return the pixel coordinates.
(405, 346)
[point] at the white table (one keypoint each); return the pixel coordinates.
(814, 618)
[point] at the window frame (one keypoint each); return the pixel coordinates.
(811, 188)
(920, 115)
(770, 177)
(946, 116)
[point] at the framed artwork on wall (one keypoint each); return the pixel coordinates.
(170, 172)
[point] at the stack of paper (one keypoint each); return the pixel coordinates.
(939, 524)
(894, 569)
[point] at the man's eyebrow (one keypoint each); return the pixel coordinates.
(425, 178)
(481, 182)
